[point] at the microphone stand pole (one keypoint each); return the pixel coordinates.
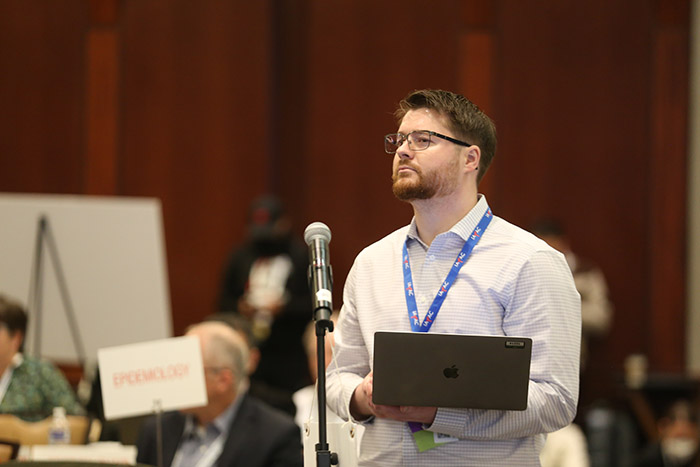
(324, 457)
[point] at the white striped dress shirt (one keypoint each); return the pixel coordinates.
(513, 284)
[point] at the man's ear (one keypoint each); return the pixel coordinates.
(253, 360)
(17, 338)
(472, 158)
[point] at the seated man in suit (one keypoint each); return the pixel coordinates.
(234, 428)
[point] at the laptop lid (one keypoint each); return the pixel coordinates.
(451, 370)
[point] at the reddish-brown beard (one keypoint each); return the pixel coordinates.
(436, 183)
(407, 190)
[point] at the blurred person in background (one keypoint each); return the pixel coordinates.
(265, 281)
(596, 307)
(276, 397)
(29, 388)
(568, 445)
(341, 435)
(233, 428)
(305, 399)
(244, 329)
(679, 436)
(565, 448)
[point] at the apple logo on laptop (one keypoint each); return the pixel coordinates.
(451, 372)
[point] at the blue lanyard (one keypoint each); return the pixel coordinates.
(416, 325)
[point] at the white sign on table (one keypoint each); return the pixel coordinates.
(165, 374)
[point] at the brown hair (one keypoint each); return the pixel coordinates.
(464, 117)
(13, 317)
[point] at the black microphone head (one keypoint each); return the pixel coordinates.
(317, 230)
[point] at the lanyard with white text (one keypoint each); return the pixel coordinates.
(462, 257)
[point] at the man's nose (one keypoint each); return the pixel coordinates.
(404, 149)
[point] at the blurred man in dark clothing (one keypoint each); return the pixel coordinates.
(265, 280)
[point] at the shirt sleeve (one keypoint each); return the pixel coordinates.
(542, 304)
(57, 391)
(350, 363)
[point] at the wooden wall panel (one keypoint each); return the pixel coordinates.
(477, 76)
(195, 106)
(667, 207)
(288, 126)
(102, 110)
(41, 95)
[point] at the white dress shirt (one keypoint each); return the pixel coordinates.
(512, 284)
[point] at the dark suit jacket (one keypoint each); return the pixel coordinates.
(260, 436)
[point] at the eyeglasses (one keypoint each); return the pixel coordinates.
(417, 140)
(216, 369)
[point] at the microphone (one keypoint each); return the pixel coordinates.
(317, 236)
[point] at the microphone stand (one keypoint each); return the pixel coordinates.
(324, 457)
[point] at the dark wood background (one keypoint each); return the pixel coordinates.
(206, 105)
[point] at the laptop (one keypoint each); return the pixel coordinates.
(451, 370)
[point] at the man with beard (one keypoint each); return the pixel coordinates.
(499, 280)
(265, 282)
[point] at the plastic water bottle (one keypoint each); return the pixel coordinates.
(59, 433)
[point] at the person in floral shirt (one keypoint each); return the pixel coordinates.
(29, 388)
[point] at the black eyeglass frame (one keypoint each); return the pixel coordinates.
(430, 132)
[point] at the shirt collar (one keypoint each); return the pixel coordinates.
(17, 360)
(221, 424)
(463, 228)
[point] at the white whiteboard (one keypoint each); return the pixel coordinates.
(112, 254)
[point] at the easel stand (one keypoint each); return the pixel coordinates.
(36, 282)
(158, 410)
(324, 457)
